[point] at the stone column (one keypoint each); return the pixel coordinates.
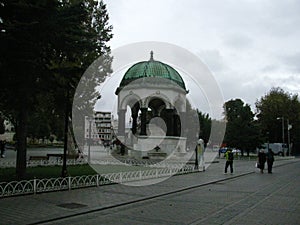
(121, 122)
(183, 124)
(134, 123)
(170, 122)
(143, 121)
(176, 125)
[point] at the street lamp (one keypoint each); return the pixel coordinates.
(288, 130)
(90, 119)
(64, 171)
(289, 139)
(282, 125)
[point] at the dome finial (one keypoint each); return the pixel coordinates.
(151, 56)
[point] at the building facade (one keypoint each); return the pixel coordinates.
(99, 127)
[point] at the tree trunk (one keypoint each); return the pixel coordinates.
(64, 171)
(21, 134)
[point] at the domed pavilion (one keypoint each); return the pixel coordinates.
(154, 93)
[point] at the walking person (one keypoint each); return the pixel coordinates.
(2, 148)
(261, 160)
(270, 160)
(229, 160)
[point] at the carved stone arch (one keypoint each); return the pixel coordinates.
(161, 96)
(130, 100)
(156, 104)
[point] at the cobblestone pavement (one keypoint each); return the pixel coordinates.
(231, 199)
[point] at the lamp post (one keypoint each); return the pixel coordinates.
(288, 132)
(289, 139)
(90, 119)
(282, 122)
(196, 154)
(64, 172)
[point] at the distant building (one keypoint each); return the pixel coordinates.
(101, 127)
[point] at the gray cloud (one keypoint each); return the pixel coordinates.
(238, 41)
(250, 46)
(213, 59)
(292, 61)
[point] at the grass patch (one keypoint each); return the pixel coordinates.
(40, 172)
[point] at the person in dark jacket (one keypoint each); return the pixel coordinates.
(270, 160)
(2, 148)
(261, 160)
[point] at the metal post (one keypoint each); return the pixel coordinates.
(89, 144)
(64, 166)
(34, 186)
(289, 140)
(282, 129)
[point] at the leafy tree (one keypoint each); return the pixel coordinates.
(242, 131)
(217, 132)
(22, 33)
(205, 126)
(68, 63)
(274, 106)
(45, 47)
(191, 126)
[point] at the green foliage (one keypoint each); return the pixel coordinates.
(205, 126)
(45, 48)
(242, 131)
(274, 106)
(40, 172)
(218, 127)
(192, 126)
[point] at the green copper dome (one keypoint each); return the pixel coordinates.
(152, 68)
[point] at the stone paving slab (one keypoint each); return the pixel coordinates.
(34, 208)
(230, 201)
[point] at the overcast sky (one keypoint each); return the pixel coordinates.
(249, 46)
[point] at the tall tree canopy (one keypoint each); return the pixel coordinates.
(242, 131)
(275, 106)
(46, 45)
(205, 126)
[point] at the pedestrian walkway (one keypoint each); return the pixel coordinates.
(43, 207)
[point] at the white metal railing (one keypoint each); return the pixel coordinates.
(129, 162)
(52, 162)
(57, 184)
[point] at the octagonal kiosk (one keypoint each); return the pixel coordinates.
(152, 96)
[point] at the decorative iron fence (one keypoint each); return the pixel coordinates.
(42, 162)
(58, 184)
(130, 162)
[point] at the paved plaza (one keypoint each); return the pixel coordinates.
(210, 197)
